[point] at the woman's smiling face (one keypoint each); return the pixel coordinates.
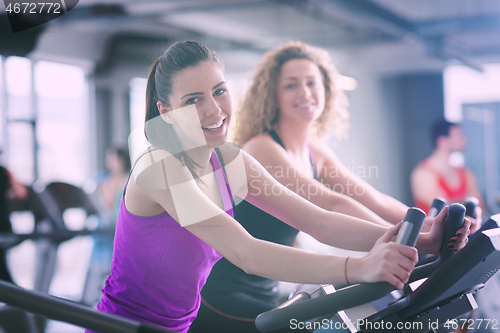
(200, 105)
(301, 92)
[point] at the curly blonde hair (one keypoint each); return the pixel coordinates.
(257, 111)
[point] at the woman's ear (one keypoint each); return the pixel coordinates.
(165, 113)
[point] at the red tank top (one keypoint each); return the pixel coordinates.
(451, 194)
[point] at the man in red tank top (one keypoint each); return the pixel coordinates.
(437, 177)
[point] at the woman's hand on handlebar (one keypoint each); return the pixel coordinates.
(387, 261)
(430, 242)
(475, 222)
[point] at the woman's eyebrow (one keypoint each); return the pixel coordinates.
(218, 84)
(192, 94)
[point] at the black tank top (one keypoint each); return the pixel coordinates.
(226, 278)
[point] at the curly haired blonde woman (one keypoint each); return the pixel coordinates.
(293, 102)
(295, 94)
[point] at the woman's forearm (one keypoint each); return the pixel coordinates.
(346, 232)
(328, 227)
(331, 228)
(387, 261)
(388, 208)
(346, 205)
(292, 265)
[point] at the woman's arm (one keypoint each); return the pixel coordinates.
(336, 175)
(278, 163)
(328, 227)
(180, 196)
(387, 261)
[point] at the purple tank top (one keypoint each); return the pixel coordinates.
(158, 267)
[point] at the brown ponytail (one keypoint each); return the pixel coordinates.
(151, 99)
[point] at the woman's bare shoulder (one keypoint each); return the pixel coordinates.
(155, 168)
(262, 144)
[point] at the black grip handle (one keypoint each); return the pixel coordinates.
(410, 229)
(470, 206)
(454, 221)
(345, 298)
(436, 207)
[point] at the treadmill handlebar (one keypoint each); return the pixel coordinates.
(345, 298)
(71, 312)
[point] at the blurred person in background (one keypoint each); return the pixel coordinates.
(10, 188)
(437, 176)
(110, 188)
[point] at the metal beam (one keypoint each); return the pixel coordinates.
(374, 10)
(458, 25)
(424, 31)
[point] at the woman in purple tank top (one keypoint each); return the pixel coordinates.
(175, 219)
